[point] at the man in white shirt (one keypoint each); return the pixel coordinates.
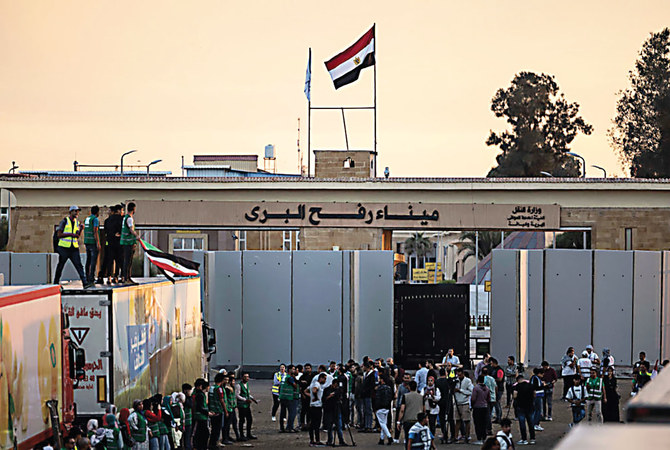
(577, 397)
(504, 436)
(420, 377)
(451, 358)
(316, 408)
(584, 363)
(568, 369)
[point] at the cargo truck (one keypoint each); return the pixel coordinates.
(39, 367)
(139, 340)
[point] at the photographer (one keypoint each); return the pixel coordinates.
(431, 397)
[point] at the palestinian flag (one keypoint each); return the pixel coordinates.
(345, 67)
(170, 265)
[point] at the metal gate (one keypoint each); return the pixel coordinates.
(429, 319)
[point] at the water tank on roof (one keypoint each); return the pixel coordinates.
(270, 151)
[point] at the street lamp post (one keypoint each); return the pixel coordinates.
(126, 153)
(151, 164)
(601, 168)
(583, 162)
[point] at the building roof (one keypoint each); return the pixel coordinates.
(517, 240)
(94, 173)
(197, 158)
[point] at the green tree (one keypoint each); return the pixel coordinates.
(4, 234)
(542, 125)
(641, 131)
(418, 245)
(488, 240)
(573, 239)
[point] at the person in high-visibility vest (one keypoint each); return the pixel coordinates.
(277, 380)
(128, 242)
(68, 232)
(92, 242)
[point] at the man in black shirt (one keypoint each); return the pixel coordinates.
(331, 413)
(111, 266)
(446, 403)
(524, 398)
(303, 383)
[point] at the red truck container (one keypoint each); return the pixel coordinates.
(37, 366)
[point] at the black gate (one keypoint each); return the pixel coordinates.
(429, 319)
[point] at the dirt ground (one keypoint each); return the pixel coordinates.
(269, 437)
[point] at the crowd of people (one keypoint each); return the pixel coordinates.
(376, 396)
(118, 244)
(204, 416)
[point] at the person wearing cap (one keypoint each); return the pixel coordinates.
(584, 363)
(68, 231)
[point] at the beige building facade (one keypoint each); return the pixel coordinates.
(619, 213)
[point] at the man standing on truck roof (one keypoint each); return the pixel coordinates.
(68, 232)
(128, 242)
(92, 242)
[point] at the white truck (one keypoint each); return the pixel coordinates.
(139, 340)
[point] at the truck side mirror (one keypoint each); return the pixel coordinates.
(79, 363)
(209, 339)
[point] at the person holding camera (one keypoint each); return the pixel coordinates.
(431, 398)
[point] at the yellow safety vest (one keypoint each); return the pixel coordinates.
(69, 241)
(278, 379)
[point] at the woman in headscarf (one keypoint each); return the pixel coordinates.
(91, 427)
(611, 407)
(125, 428)
(608, 361)
(113, 439)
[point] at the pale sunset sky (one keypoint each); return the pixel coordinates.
(89, 80)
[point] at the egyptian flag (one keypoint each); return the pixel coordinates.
(170, 265)
(345, 67)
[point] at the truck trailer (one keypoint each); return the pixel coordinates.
(139, 340)
(39, 367)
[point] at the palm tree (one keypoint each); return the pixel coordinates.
(488, 240)
(417, 245)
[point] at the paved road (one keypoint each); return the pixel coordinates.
(269, 437)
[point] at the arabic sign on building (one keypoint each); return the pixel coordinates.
(351, 215)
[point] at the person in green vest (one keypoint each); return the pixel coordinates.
(92, 242)
(201, 415)
(68, 231)
(113, 440)
(138, 426)
(153, 414)
(244, 399)
(187, 438)
(231, 406)
(128, 243)
(288, 398)
(595, 396)
(215, 402)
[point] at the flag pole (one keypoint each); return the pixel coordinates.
(375, 100)
(309, 114)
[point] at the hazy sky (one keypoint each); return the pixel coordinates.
(88, 80)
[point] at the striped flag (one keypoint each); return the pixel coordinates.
(345, 67)
(170, 265)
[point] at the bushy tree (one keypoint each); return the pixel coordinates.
(641, 131)
(542, 125)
